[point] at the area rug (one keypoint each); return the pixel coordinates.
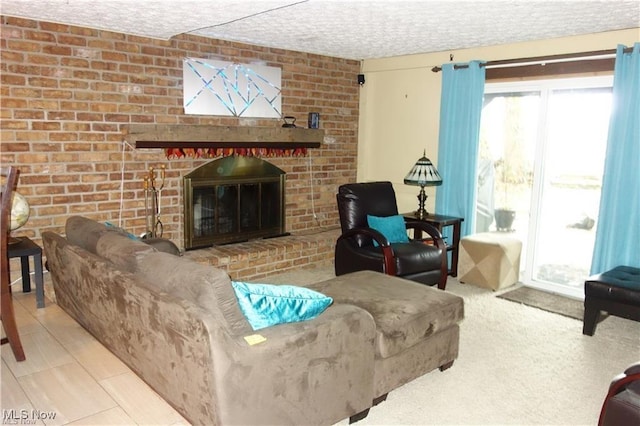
(546, 301)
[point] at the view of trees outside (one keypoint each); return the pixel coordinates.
(508, 135)
(564, 205)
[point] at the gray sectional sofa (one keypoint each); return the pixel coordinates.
(178, 325)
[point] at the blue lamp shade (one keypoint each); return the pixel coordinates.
(422, 174)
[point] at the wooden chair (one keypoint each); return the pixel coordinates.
(10, 177)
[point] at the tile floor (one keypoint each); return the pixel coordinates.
(69, 378)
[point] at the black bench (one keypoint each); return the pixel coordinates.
(616, 291)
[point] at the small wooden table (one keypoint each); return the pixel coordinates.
(23, 250)
(439, 222)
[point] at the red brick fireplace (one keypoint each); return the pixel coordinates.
(71, 95)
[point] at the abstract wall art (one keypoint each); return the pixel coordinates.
(213, 87)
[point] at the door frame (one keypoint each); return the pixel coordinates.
(544, 87)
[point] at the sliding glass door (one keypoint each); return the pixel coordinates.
(540, 172)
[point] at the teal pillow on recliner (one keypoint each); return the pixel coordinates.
(392, 227)
(265, 305)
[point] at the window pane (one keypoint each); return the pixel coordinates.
(270, 205)
(203, 212)
(508, 135)
(249, 207)
(573, 166)
(227, 208)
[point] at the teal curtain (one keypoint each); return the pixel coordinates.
(460, 109)
(618, 233)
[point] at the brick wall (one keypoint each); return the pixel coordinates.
(68, 94)
(256, 259)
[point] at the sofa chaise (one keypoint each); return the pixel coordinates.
(178, 325)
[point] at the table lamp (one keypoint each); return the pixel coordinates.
(422, 174)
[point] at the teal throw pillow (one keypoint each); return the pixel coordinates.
(265, 305)
(122, 231)
(392, 227)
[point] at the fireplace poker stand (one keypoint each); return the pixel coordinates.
(152, 198)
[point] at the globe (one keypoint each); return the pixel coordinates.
(19, 211)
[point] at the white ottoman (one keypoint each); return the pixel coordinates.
(490, 260)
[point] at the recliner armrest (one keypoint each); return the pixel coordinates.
(431, 230)
(632, 369)
(383, 242)
(631, 374)
(369, 232)
(629, 381)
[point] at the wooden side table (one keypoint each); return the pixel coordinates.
(23, 250)
(439, 222)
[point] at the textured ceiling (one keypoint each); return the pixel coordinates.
(353, 29)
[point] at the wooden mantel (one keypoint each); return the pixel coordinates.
(205, 136)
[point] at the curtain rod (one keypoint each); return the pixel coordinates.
(540, 60)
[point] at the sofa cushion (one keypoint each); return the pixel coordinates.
(405, 312)
(265, 305)
(121, 250)
(84, 232)
(162, 244)
(205, 286)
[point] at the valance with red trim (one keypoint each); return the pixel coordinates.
(226, 152)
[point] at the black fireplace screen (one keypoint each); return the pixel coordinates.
(233, 199)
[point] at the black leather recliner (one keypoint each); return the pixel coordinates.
(416, 260)
(622, 403)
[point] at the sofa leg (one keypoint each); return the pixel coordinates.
(359, 416)
(362, 414)
(380, 399)
(446, 366)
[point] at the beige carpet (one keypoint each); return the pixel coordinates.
(518, 365)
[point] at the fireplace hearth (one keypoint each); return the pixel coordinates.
(233, 199)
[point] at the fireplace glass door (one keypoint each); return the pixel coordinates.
(226, 213)
(233, 199)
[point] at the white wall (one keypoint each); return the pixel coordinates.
(400, 104)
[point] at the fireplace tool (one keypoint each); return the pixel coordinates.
(152, 197)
